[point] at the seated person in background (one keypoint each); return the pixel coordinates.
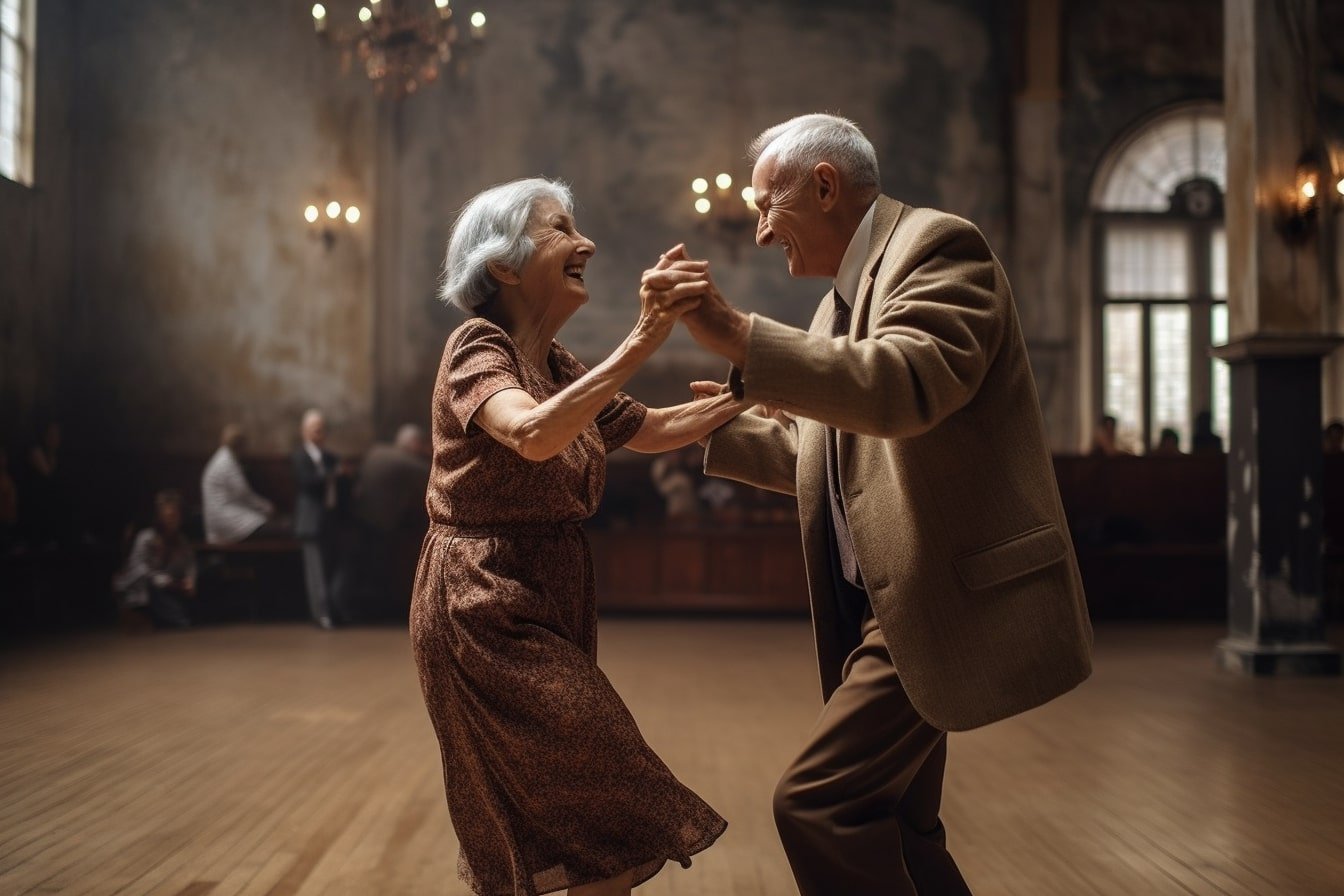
(1333, 437)
(233, 511)
(1205, 440)
(160, 572)
(388, 507)
(1104, 440)
(674, 478)
(1168, 444)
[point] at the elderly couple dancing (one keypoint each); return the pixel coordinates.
(945, 593)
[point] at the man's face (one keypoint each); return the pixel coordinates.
(791, 216)
(315, 430)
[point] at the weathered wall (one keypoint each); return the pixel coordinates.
(205, 129)
(35, 247)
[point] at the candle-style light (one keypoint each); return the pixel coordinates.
(478, 24)
(319, 18)
(333, 209)
(310, 214)
(352, 215)
(723, 181)
(444, 10)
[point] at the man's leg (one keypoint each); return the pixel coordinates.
(858, 810)
(315, 579)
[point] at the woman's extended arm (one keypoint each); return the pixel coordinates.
(538, 431)
(668, 428)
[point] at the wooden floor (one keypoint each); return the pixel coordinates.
(285, 760)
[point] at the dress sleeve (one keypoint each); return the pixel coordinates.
(620, 420)
(481, 362)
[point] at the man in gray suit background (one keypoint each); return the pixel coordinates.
(316, 475)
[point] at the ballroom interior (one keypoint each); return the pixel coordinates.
(227, 214)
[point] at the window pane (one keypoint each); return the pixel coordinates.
(9, 17)
(1147, 261)
(1218, 263)
(1171, 370)
(1122, 358)
(8, 162)
(1222, 378)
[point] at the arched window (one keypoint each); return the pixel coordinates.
(1160, 277)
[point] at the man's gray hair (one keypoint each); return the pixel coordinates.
(800, 144)
(493, 227)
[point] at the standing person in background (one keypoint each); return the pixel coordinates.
(160, 573)
(316, 471)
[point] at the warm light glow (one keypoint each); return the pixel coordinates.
(723, 181)
(352, 215)
(1309, 190)
(333, 209)
(702, 205)
(441, 4)
(478, 19)
(699, 185)
(310, 214)
(749, 195)
(319, 11)
(364, 14)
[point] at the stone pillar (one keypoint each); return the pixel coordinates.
(1045, 304)
(1275, 298)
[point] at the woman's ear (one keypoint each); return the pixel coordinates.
(501, 273)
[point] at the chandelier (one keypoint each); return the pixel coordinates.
(725, 216)
(400, 49)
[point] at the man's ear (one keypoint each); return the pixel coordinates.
(826, 181)
(501, 273)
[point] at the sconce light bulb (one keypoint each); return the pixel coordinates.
(1340, 186)
(478, 19)
(310, 214)
(1309, 190)
(748, 195)
(319, 11)
(699, 185)
(723, 181)
(333, 209)
(702, 205)
(364, 14)
(441, 4)
(352, 215)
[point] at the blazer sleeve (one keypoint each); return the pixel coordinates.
(757, 450)
(311, 480)
(935, 334)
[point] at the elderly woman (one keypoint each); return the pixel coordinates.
(549, 783)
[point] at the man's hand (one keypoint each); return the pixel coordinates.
(715, 324)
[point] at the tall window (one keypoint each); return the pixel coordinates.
(1160, 278)
(16, 89)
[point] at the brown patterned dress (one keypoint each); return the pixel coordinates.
(549, 782)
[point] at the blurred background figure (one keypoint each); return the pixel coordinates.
(1168, 443)
(9, 503)
(389, 521)
(674, 475)
(232, 511)
(1205, 440)
(1332, 439)
(1104, 441)
(316, 475)
(48, 515)
(160, 573)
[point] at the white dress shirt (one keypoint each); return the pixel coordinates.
(232, 510)
(851, 266)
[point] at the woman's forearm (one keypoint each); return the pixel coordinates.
(667, 428)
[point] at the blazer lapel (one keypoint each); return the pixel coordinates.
(886, 215)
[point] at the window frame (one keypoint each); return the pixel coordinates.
(26, 137)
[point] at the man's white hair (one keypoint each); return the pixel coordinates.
(800, 144)
(493, 227)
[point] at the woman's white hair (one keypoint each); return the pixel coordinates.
(493, 227)
(800, 144)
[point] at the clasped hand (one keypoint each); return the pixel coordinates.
(712, 322)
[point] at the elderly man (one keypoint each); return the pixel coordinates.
(316, 472)
(233, 511)
(945, 591)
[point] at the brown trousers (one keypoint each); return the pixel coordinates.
(858, 809)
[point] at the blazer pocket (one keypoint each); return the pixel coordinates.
(1007, 560)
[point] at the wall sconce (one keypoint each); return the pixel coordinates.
(323, 223)
(725, 215)
(1316, 187)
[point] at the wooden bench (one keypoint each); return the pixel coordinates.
(260, 579)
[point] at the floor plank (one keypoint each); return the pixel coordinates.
(286, 761)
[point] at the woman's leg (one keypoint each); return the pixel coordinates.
(616, 886)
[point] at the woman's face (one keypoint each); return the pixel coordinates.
(555, 271)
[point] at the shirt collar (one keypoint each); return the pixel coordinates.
(851, 266)
(314, 452)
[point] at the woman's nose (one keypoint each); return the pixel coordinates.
(586, 246)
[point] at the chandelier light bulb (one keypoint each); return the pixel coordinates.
(699, 185)
(310, 214)
(702, 205)
(333, 209)
(319, 17)
(1340, 186)
(352, 215)
(365, 14)
(477, 19)
(1309, 190)
(749, 196)
(723, 181)
(441, 4)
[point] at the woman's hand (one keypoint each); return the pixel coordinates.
(667, 291)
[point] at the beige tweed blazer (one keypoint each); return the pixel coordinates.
(947, 478)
